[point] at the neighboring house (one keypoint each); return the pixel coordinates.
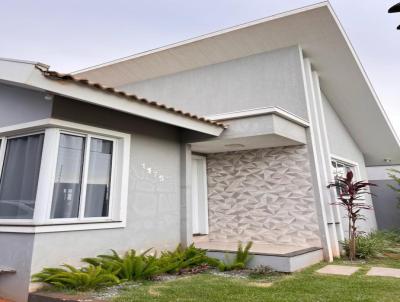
(386, 201)
(86, 168)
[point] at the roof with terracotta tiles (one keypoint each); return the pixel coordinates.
(54, 75)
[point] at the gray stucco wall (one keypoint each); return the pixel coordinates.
(262, 80)
(20, 105)
(342, 144)
(386, 200)
(386, 205)
(153, 206)
(16, 253)
(263, 195)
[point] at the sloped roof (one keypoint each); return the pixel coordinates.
(322, 39)
(35, 75)
(54, 75)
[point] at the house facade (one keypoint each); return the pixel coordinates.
(282, 106)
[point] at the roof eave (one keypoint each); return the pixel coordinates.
(23, 74)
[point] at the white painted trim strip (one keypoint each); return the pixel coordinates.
(51, 122)
(61, 227)
(260, 111)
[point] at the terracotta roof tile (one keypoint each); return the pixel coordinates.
(54, 75)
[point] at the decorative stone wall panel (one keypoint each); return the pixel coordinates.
(263, 195)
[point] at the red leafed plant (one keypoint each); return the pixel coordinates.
(350, 196)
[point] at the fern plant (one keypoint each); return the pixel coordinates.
(87, 278)
(128, 267)
(182, 258)
(240, 261)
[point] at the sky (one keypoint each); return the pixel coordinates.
(74, 34)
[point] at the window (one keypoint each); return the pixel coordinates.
(83, 177)
(99, 176)
(19, 176)
(73, 169)
(68, 179)
(340, 169)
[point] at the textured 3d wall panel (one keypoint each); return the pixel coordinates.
(262, 195)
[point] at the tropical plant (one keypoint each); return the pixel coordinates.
(240, 261)
(394, 174)
(87, 278)
(351, 195)
(128, 267)
(183, 258)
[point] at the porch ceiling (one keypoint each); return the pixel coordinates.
(243, 143)
(267, 130)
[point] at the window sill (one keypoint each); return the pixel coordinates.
(54, 228)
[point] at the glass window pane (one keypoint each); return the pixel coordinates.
(68, 179)
(19, 179)
(98, 182)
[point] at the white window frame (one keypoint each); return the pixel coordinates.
(347, 162)
(53, 128)
(4, 140)
(355, 165)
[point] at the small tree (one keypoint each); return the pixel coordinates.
(351, 198)
(395, 175)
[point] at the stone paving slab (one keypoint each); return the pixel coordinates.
(384, 272)
(338, 270)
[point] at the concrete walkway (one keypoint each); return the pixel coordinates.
(338, 270)
(344, 270)
(384, 272)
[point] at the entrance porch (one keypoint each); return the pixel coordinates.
(256, 188)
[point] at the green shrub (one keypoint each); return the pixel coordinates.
(87, 278)
(367, 246)
(105, 270)
(240, 261)
(129, 267)
(182, 258)
(392, 237)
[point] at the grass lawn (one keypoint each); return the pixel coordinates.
(301, 286)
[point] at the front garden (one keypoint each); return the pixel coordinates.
(189, 275)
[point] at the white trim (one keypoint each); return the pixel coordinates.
(53, 128)
(46, 177)
(348, 162)
(51, 122)
(260, 111)
(3, 150)
(322, 206)
(61, 227)
(344, 160)
(195, 211)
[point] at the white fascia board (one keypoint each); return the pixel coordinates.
(27, 74)
(259, 111)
